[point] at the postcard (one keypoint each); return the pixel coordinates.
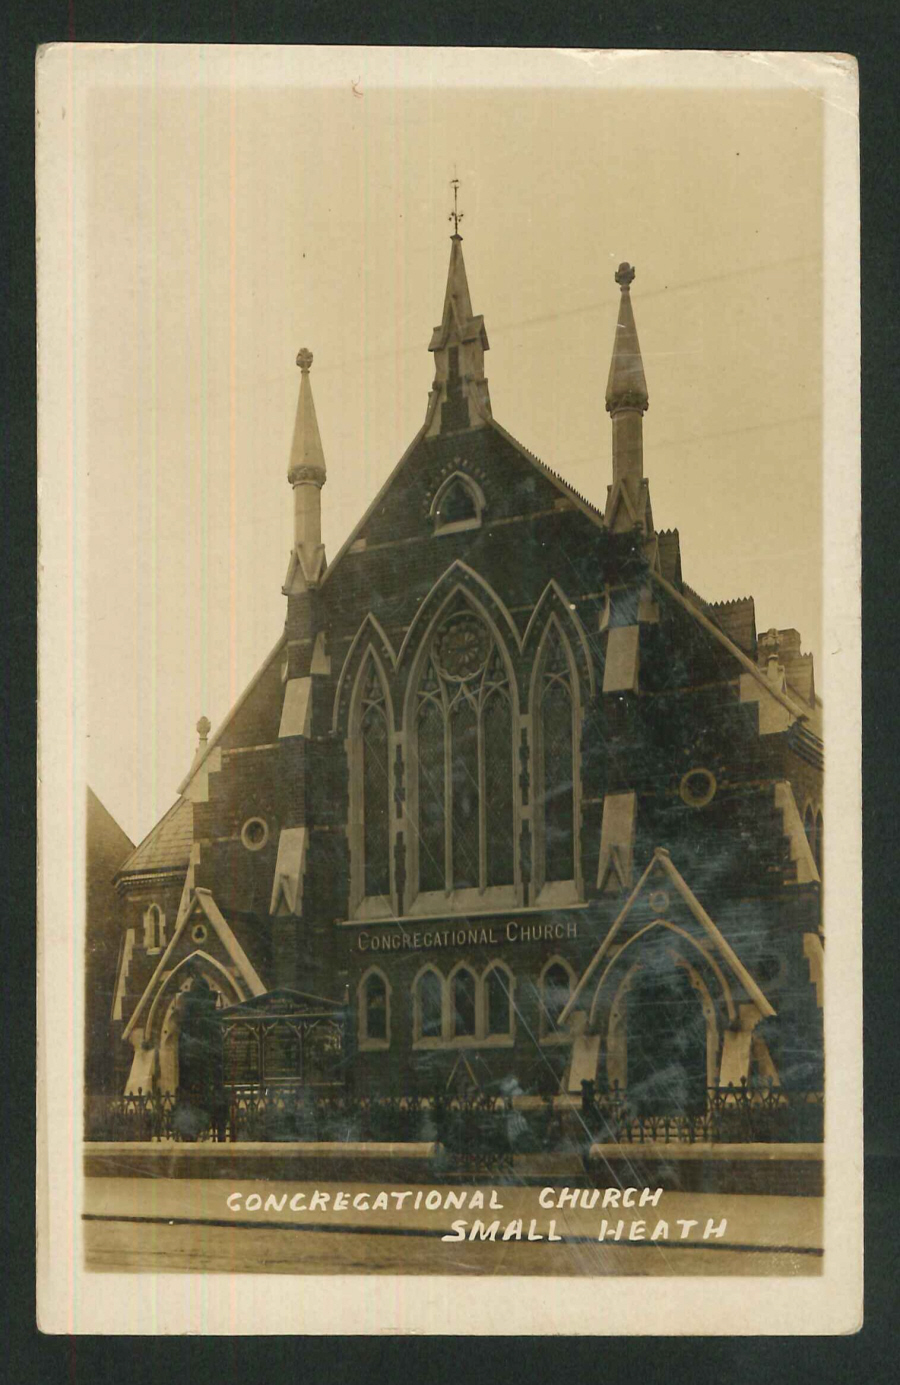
(449, 691)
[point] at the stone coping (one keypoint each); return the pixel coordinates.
(709, 1151)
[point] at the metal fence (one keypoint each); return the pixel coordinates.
(746, 1114)
(479, 1129)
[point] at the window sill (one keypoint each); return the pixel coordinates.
(438, 903)
(447, 916)
(377, 906)
(556, 893)
(467, 1042)
(457, 526)
(373, 1045)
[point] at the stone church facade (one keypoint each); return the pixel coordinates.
(508, 804)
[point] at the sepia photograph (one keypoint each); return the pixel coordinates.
(449, 667)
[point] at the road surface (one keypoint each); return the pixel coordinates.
(178, 1225)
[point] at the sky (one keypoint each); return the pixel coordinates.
(226, 224)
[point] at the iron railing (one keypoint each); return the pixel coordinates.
(747, 1114)
(479, 1129)
(474, 1130)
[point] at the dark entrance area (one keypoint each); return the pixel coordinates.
(200, 1100)
(666, 1042)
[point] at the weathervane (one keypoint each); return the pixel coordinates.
(456, 215)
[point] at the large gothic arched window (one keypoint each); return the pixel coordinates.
(556, 741)
(464, 730)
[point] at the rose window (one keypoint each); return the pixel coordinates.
(462, 648)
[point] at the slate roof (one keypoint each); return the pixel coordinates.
(167, 846)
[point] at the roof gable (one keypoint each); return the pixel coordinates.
(632, 922)
(167, 846)
(514, 481)
(283, 1002)
(179, 949)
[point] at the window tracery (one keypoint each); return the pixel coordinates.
(464, 717)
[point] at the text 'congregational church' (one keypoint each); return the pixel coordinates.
(508, 805)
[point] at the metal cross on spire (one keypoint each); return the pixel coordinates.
(456, 215)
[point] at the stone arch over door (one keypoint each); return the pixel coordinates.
(662, 1006)
(164, 1024)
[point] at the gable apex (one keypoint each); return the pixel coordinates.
(662, 871)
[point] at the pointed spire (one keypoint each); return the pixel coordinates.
(306, 447)
(628, 500)
(626, 387)
(306, 473)
(459, 344)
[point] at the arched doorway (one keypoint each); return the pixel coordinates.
(201, 1104)
(199, 1039)
(666, 1037)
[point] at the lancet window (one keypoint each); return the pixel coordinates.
(464, 1010)
(556, 704)
(498, 985)
(374, 781)
(556, 988)
(464, 717)
(374, 1010)
(154, 928)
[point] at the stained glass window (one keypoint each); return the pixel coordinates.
(465, 722)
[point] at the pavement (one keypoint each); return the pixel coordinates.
(178, 1225)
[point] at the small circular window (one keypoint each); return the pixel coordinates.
(254, 833)
(697, 788)
(659, 901)
(198, 933)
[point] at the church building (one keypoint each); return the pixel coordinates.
(508, 804)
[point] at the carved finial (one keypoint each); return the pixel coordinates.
(304, 359)
(456, 215)
(204, 726)
(624, 275)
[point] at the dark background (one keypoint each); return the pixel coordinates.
(869, 31)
